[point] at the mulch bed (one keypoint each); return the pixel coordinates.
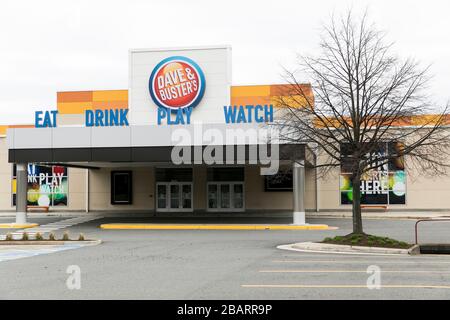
(367, 240)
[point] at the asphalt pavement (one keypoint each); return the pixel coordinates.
(226, 264)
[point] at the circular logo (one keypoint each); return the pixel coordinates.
(176, 83)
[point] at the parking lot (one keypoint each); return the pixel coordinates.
(225, 264)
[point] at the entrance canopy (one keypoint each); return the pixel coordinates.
(151, 144)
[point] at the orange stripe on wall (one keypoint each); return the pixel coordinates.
(267, 94)
(250, 91)
(21, 126)
(242, 101)
(76, 102)
(294, 93)
(288, 89)
(110, 105)
(74, 96)
(110, 95)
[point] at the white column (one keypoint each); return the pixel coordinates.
(21, 193)
(298, 173)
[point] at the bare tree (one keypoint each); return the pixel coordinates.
(364, 98)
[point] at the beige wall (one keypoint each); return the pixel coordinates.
(424, 192)
(310, 189)
(70, 119)
(143, 189)
(144, 194)
(77, 190)
(5, 177)
(258, 199)
(328, 191)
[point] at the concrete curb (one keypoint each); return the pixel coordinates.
(146, 226)
(345, 249)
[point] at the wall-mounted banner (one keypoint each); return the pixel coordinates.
(176, 85)
(47, 185)
(381, 186)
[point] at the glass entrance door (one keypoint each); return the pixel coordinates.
(226, 196)
(174, 196)
(161, 196)
(238, 196)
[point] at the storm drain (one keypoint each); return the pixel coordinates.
(434, 248)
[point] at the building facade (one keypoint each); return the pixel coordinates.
(182, 139)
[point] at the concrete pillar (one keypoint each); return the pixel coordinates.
(21, 193)
(298, 173)
(86, 190)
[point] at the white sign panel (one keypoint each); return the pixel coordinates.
(179, 85)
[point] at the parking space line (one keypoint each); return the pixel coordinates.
(343, 286)
(361, 262)
(354, 271)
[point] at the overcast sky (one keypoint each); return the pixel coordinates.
(50, 46)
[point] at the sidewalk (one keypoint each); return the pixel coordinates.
(284, 214)
(316, 247)
(383, 215)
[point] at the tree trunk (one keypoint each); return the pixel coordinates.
(356, 206)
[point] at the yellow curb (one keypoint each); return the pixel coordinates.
(17, 226)
(144, 226)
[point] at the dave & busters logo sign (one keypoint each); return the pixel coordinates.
(177, 83)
